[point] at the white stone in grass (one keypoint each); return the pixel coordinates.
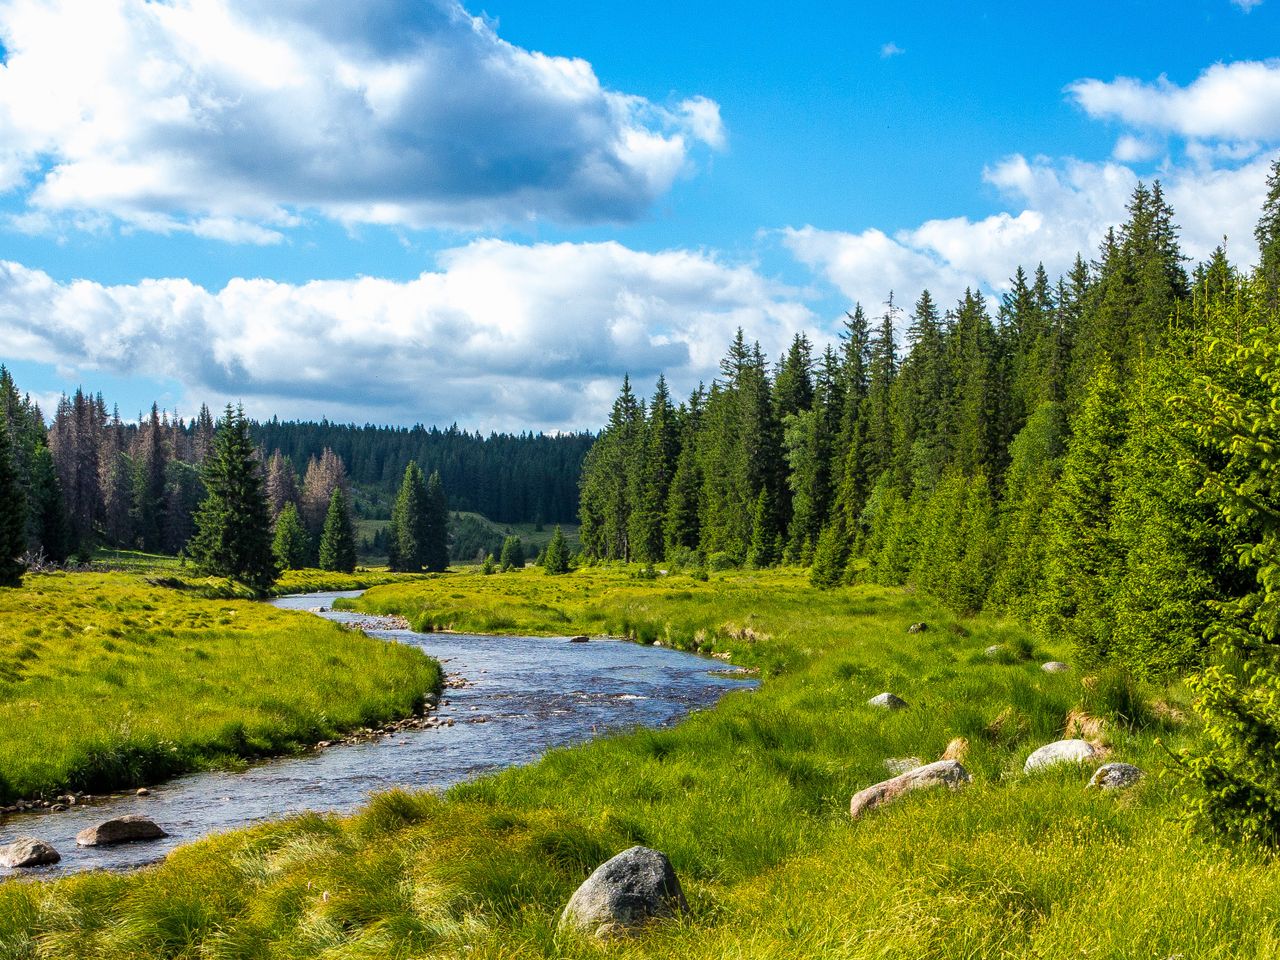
(887, 701)
(1115, 776)
(1055, 666)
(1058, 752)
(942, 773)
(27, 852)
(897, 765)
(636, 886)
(994, 650)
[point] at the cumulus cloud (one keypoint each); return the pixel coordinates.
(1063, 207)
(230, 118)
(891, 49)
(1237, 101)
(501, 335)
(1247, 5)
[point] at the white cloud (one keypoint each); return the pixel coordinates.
(1229, 101)
(230, 118)
(501, 335)
(891, 49)
(1247, 5)
(1061, 208)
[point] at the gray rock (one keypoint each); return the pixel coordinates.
(897, 765)
(580, 639)
(920, 627)
(634, 887)
(994, 650)
(887, 701)
(121, 830)
(1055, 666)
(1115, 776)
(943, 773)
(1060, 751)
(27, 852)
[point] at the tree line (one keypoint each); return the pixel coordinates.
(1095, 454)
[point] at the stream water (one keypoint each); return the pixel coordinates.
(522, 697)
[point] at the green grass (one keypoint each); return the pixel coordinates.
(107, 681)
(750, 801)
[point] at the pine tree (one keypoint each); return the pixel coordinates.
(488, 567)
(435, 530)
(290, 545)
(555, 559)
(512, 554)
(233, 529)
(47, 511)
(682, 527)
(1268, 236)
(829, 557)
(150, 458)
(282, 483)
(410, 522)
(338, 539)
(13, 539)
(651, 480)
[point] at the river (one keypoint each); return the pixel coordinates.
(522, 696)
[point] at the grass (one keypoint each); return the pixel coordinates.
(107, 681)
(750, 801)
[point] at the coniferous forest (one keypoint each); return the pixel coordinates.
(1092, 454)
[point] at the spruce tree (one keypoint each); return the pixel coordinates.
(233, 529)
(1268, 236)
(410, 523)
(13, 540)
(555, 559)
(512, 557)
(290, 545)
(338, 539)
(435, 530)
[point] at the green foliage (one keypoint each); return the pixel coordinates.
(489, 567)
(290, 545)
(512, 554)
(13, 540)
(829, 558)
(555, 559)
(338, 539)
(409, 523)
(435, 555)
(233, 530)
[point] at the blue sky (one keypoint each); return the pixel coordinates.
(417, 211)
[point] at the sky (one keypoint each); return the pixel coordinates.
(405, 211)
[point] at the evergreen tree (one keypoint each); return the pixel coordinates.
(47, 511)
(512, 554)
(282, 483)
(13, 539)
(233, 530)
(150, 460)
(488, 567)
(290, 545)
(555, 559)
(829, 557)
(338, 538)
(435, 551)
(410, 523)
(652, 478)
(681, 528)
(1268, 236)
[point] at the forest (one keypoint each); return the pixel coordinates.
(1094, 455)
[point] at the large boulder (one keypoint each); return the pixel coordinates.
(121, 830)
(943, 773)
(1115, 776)
(887, 701)
(27, 852)
(636, 886)
(1058, 752)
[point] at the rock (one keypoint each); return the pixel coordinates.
(943, 773)
(887, 701)
(27, 852)
(1060, 751)
(121, 830)
(634, 887)
(994, 650)
(581, 639)
(957, 749)
(58, 807)
(144, 792)
(1115, 776)
(897, 765)
(1055, 666)
(920, 627)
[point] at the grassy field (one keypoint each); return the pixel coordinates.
(750, 801)
(107, 681)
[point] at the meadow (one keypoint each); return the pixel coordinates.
(109, 681)
(750, 801)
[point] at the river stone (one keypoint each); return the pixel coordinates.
(920, 627)
(1060, 751)
(121, 830)
(580, 639)
(943, 773)
(897, 765)
(887, 701)
(994, 650)
(1115, 776)
(27, 852)
(634, 887)
(1055, 666)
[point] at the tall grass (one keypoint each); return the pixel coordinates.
(106, 682)
(750, 801)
